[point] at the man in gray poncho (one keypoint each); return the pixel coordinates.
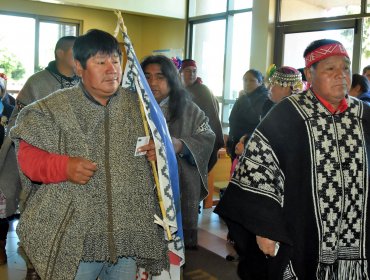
(88, 216)
(192, 138)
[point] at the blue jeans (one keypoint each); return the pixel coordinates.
(124, 269)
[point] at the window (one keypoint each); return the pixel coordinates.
(205, 7)
(345, 21)
(293, 56)
(240, 53)
(241, 4)
(219, 41)
(365, 44)
(28, 45)
(208, 51)
(17, 49)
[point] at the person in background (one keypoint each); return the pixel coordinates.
(192, 137)
(90, 201)
(360, 88)
(246, 112)
(58, 74)
(7, 208)
(203, 97)
(298, 200)
(366, 72)
(281, 82)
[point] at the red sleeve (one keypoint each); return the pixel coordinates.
(41, 166)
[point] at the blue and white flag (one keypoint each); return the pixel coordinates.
(134, 79)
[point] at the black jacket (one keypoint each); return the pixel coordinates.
(245, 116)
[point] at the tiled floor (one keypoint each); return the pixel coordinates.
(212, 236)
(15, 269)
(212, 233)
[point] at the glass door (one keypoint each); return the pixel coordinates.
(292, 40)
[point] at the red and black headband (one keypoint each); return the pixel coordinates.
(323, 52)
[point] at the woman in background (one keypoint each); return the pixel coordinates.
(281, 83)
(246, 112)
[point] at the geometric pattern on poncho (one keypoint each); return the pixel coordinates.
(339, 169)
(202, 128)
(289, 273)
(258, 169)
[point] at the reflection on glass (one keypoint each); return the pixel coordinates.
(240, 53)
(206, 7)
(17, 47)
(208, 51)
(296, 43)
(365, 54)
(242, 4)
(307, 9)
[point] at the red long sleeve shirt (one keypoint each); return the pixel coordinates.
(41, 166)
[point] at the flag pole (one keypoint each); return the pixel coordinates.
(121, 25)
(155, 174)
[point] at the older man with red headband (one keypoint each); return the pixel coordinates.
(297, 205)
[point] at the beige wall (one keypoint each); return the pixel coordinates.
(263, 32)
(146, 33)
(166, 8)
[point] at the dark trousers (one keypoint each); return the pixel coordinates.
(4, 227)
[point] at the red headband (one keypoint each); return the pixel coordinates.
(323, 52)
(187, 63)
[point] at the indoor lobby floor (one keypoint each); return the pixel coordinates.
(212, 236)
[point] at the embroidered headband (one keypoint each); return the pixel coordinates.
(187, 63)
(323, 52)
(285, 77)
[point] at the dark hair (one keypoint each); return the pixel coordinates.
(257, 74)
(316, 44)
(362, 81)
(64, 43)
(366, 68)
(178, 94)
(302, 73)
(93, 42)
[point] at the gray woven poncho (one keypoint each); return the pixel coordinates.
(109, 217)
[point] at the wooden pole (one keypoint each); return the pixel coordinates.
(155, 174)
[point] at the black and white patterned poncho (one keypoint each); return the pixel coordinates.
(303, 180)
